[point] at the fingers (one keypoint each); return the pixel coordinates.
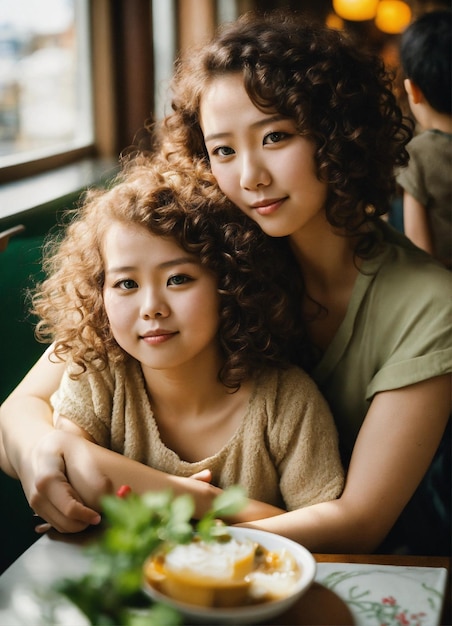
(64, 524)
(56, 502)
(204, 476)
(42, 528)
(48, 488)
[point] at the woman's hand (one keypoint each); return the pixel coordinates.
(32, 451)
(48, 489)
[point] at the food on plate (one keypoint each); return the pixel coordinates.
(223, 572)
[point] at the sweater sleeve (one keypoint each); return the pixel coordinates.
(87, 401)
(306, 443)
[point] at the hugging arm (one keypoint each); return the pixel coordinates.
(64, 474)
(29, 452)
(395, 446)
(383, 473)
(117, 470)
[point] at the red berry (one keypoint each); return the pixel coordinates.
(123, 491)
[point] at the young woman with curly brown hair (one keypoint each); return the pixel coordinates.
(301, 130)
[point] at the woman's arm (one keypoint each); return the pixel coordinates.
(62, 473)
(26, 414)
(395, 446)
(26, 452)
(118, 470)
(415, 223)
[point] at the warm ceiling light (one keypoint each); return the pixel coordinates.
(393, 16)
(356, 10)
(334, 21)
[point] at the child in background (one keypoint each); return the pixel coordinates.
(426, 56)
(173, 316)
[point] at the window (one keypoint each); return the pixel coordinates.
(164, 42)
(45, 82)
(78, 78)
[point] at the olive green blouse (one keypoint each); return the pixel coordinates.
(397, 331)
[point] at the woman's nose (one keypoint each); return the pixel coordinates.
(154, 306)
(254, 174)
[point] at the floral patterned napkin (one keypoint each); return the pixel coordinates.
(387, 595)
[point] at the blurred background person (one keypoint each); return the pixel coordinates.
(425, 54)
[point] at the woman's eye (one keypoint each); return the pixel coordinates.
(179, 279)
(275, 137)
(126, 284)
(223, 151)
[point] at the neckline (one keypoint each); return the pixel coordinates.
(341, 339)
(437, 131)
(197, 465)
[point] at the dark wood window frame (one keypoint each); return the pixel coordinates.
(122, 78)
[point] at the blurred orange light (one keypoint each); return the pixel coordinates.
(356, 10)
(334, 21)
(393, 16)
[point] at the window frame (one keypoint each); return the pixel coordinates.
(51, 159)
(119, 31)
(123, 75)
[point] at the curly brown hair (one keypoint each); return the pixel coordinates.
(258, 281)
(339, 96)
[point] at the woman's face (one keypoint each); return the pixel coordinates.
(162, 304)
(260, 161)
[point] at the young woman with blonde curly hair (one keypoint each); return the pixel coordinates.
(168, 308)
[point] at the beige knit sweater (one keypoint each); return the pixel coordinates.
(285, 451)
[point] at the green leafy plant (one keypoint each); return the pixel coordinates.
(110, 593)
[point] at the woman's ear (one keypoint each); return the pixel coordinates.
(413, 91)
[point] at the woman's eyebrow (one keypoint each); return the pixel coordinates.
(119, 269)
(164, 265)
(257, 124)
(179, 261)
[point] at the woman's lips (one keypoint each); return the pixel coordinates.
(156, 337)
(267, 207)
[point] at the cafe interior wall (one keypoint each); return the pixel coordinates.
(20, 267)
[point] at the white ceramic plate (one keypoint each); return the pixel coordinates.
(257, 612)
